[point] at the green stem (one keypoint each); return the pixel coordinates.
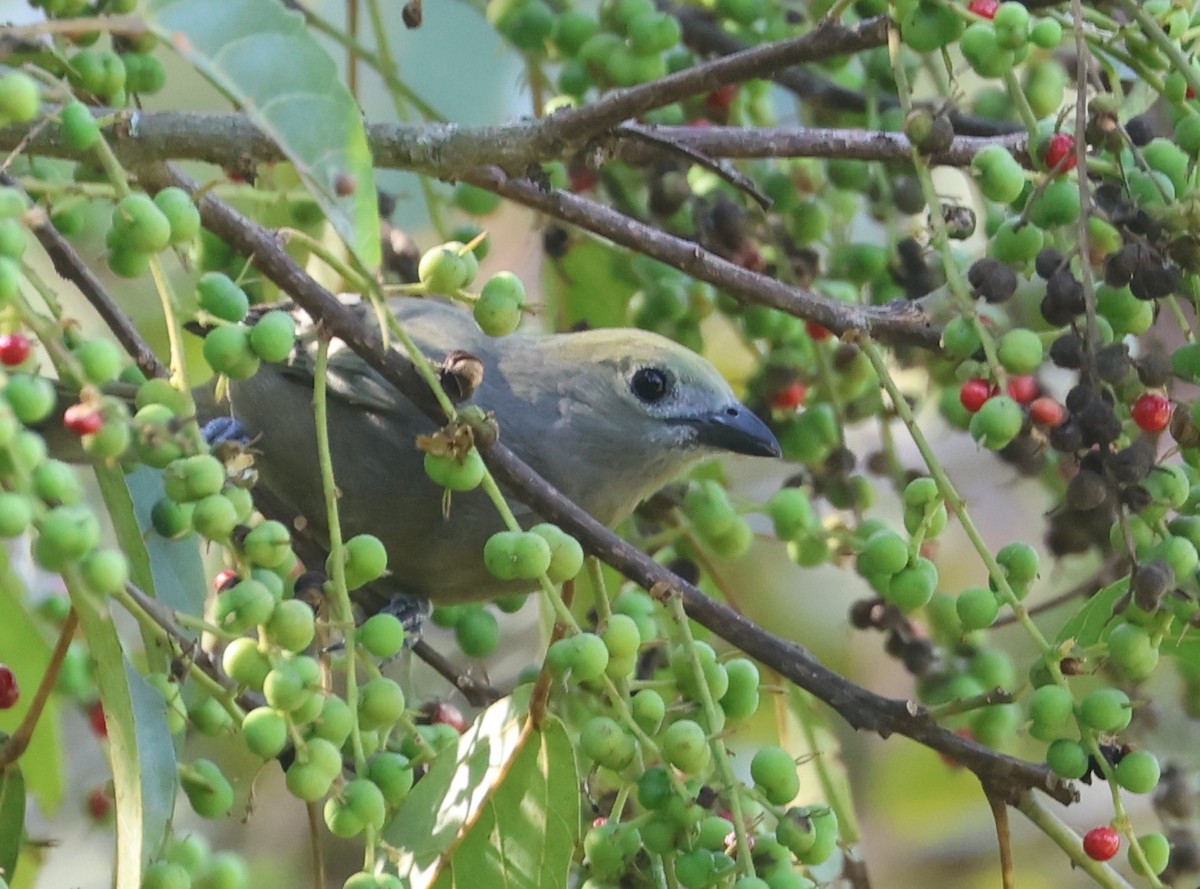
(712, 719)
(342, 608)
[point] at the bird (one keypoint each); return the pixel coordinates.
(608, 416)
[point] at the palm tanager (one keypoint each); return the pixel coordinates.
(607, 416)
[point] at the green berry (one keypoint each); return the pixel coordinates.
(498, 309)
(265, 731)
(20, 99)
(382, 635)
(456, 472)
(365, 560)
(273, 336)
(220, 296)
(181, 213)
(1138, 771)
(685, 746)
(1020, 351)
(79, 128)
(477, 633)
(1067, 759)
(227, 351)
(207, 789)
(1106, 710)
(774, 772)
(997, 423)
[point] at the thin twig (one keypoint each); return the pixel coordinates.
(895, 323)
(1003, 838)
(18, 742)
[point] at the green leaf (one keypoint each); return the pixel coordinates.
(12, 818)
(264, 59)
(170, 570)
(501, 809)
(140, 750)
(590, 285)
(1086, 626)
(26, 649)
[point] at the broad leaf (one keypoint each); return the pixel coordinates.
(1086, 626)
(500, 810)
(264, 59)
(25, 648)
(12, 818)
(140, 749)
(170, 570)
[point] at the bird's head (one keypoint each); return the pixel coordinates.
(636, 403)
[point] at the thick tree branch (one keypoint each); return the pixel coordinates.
(1003, 775)
(447, 151)
(896, 323)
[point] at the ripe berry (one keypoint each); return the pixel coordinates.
(1152, 412)
(1023, 388)
(10, 691)
(1060, 153)
(1101, 843)
(817, 331)
(83, 419)
(97, 720)
(789, 397)
(974, 393)
(14, 349)
(99, 804)
(1045, 411)
(985, 8)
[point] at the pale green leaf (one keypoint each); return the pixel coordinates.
(12, 818)
(27, 651)
(1086, 626)
(140, 749)
(501, 810)
(263, 58)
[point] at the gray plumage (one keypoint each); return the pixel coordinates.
(565, 403)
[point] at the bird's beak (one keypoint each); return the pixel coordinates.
(738, 430)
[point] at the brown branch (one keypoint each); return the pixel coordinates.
(17, 743)
(842, 144)
(447, 151)
(896, 323)
(1003, 838)
(862, 709)
(71, 267)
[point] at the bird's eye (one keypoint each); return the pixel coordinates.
(650, 384)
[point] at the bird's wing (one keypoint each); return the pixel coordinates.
(436, 327)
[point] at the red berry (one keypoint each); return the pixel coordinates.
(14, 349)
(974, 393)
(720, 100)
(1060, 153)
(1152, 412)
(789, 397)
(442, 713)
(224, 580)
(99, 803)
(817, 331)
(583, 178)
(1023, 388)
(1191, 92)
(83, 419)
(10, 691)
(1101, 843)
(97, 720)
(1045, 411)
(985, 8)
(748, 256)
